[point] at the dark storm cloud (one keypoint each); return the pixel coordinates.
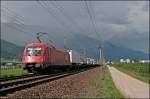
(113, 18)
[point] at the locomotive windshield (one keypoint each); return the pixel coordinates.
(33, 51)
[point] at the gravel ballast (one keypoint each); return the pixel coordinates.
(74, 86)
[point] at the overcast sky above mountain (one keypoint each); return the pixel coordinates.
(119, 21)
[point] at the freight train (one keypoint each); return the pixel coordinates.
(39, 55)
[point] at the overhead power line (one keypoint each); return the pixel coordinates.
(61, 9)
(91, 18)
(98, 34)
(46, 7)
(15, 14)
(93, 21)
(17, 22)
(17, 19)
(18, 29)
(101, 56)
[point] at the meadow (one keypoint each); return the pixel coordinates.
(12, 71)
(105, 86)
(140, 71)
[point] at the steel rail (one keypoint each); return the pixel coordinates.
(3, 79)
(29, 82)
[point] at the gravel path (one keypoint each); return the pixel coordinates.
(129, 86)
(74, 86)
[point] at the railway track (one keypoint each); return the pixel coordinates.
(16, 77)
(22, 83)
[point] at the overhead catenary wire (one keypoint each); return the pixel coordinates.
(61, 9)
(14, 13)
(93, 21)
(90, 15)
(17, 19)
(18, 29)
(98, 34)
(17, 22)
(45, 6)
(12, 16)
(101, 57)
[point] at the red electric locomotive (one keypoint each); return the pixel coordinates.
(39, 55)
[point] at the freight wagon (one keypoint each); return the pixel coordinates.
(90, 61)
(40, 56)
(76, 58)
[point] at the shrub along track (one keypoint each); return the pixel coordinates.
(18, 84)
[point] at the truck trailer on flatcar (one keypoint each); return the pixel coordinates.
(76, 58)
(40, 56)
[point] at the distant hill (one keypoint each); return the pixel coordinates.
(114, 52)
(10, 50)
(139, 42)
(78, 42)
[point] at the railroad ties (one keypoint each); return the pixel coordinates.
(12, 85)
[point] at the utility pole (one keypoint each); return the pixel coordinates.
(101, 55)
(65, 47)
(84, 52)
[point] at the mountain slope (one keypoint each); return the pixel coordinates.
(78, 42)
(10, 50)
(81, 44)
(116, 52)
(88, 45)
(139, 42)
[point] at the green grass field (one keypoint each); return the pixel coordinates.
(8, 72)
(137, 70)
(105, 85)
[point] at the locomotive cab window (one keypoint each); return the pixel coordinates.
(34, 51)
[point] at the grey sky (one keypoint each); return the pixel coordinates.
(113, 18)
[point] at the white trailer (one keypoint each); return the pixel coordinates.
(90, 61)
(76, 58)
